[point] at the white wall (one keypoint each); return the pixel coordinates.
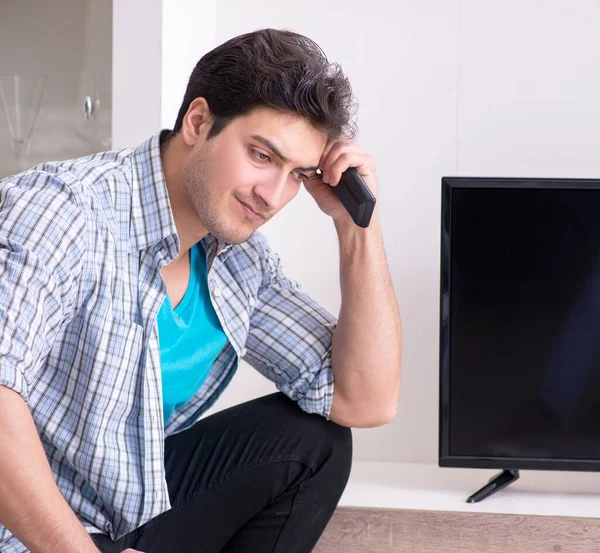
(446, 87)
(153, 62)
(189, 31)
(530, 88)
(137, 71)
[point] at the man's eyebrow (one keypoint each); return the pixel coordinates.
(278, 152)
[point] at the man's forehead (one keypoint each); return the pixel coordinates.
(288, 131)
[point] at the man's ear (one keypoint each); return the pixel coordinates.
(197, 121)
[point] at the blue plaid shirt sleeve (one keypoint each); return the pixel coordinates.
(290, 339)
(41, 252)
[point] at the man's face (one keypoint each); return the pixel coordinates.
(239, 179)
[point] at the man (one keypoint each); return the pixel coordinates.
(132, 283)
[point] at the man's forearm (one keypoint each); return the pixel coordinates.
(367, 343)
(31, 506)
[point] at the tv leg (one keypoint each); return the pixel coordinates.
(497, 483)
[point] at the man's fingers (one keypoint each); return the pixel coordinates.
(347, 159)
(342, 150)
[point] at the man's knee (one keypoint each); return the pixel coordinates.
(329, 443)
(334, 446)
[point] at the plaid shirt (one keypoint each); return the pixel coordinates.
(82, 243)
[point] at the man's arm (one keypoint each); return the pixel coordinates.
(290, 335)
(31, 506)
(40, 267)
(41, 251)
(367, 343)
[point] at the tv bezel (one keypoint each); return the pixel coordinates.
(444, 457)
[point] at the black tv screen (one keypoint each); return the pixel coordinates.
(520, 324)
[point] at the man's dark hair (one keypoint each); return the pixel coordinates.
(273, 68)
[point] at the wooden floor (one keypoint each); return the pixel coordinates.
(399, 531)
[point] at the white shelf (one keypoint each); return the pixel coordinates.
(429, 487)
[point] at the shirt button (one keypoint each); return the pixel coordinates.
(216, 291)
(243, 352)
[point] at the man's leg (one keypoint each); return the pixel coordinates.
(259, 477)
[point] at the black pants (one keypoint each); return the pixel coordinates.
(260, 477)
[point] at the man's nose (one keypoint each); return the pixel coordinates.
(272, 191)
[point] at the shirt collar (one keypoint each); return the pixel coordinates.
(151, 214)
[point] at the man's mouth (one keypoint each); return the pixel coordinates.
(250, 213)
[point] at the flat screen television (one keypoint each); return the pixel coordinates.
(520, 326)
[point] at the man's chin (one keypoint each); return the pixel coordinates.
(235, 237)
(238, 240)
(231, 232)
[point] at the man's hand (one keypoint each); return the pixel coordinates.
(336, 158)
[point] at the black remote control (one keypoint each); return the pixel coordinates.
(356, 196)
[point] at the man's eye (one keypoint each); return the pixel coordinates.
(300, 176)
(260, 155)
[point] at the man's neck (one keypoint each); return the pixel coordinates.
(189, 230)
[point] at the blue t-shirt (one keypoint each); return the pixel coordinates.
(190, 338)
